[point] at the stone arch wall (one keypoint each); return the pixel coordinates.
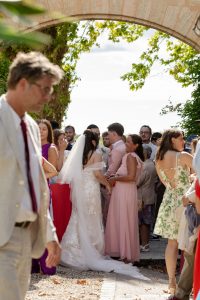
(176, 17)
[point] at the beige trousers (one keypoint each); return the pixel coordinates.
(15, 265)
(185, 282)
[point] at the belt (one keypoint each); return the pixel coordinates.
(24, 224)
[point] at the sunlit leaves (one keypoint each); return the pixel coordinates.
(170, 107)
(136, 77)
(189, 111)
(33, 39)
(19, 12)
(70, 40)
(176, 60)
(121, 30)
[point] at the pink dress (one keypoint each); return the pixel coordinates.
(122, 233)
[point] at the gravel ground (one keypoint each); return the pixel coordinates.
(70, 284)
(67, 284)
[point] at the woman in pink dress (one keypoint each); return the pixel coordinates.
(122, 233)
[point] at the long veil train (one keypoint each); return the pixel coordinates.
(72, 173)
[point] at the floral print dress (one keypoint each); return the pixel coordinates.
(171, 209)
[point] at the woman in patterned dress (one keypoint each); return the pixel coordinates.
(173, 168)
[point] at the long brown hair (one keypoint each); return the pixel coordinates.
(166, 142)
(50, 131)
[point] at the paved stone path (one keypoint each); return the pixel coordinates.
(125, 288)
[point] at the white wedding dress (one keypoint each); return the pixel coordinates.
(83, 241)
(72, 253)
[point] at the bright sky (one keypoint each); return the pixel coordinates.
(102, 98)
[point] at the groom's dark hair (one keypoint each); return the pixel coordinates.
(91, 126)
(116, 127)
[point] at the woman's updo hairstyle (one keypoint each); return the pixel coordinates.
(136, 139)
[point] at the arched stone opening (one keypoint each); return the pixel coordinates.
(175, 17)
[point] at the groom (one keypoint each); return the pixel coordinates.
(25, 226)
(118, 149)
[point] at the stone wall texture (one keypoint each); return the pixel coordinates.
(176, 17)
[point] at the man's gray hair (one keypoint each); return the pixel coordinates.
(147, 149)
(32, 66)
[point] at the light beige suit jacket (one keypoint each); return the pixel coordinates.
(12, 178)
(146, 183)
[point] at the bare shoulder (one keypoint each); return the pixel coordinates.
(185, 155)
(53, 149)
(131, 158)
(97, 157)
(186, 158)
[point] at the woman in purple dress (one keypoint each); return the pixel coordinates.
(49, 152)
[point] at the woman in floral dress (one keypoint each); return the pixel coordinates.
(173, 168)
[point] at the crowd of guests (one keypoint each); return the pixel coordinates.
(151, 193)
(124, 192)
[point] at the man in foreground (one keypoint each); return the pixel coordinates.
(25, 226)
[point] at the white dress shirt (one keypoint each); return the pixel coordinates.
(25, 212)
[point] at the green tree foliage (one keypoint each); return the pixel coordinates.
(4, 65)
(189, 111)
(20, 12)
(179, 60)
(175, 59)
(69, 40)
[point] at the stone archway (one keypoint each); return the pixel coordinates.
(176, 17)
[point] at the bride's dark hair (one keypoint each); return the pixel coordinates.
(90, 147)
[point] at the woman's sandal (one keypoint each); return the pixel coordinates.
(171, 290)
(172, 287)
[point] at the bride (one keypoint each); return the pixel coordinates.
(83, 241)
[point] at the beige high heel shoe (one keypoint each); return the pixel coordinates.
(172, 290)
(172, 287)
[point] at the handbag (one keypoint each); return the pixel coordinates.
(192, 217)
